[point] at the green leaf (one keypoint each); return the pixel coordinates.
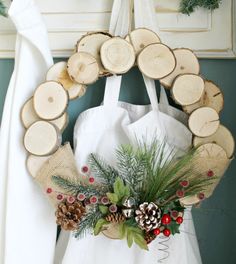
(98, 227)
(113, 197)
(122, 230)
(140, 241)
(103, 209)
(120, 189)
(130, 239)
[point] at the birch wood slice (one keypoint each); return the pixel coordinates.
(83, 68)
(212, 97)
(35, 163)
(91, 44)
(187, 89)
(209, 157)
(61, 122)
(156, 61)
(42, 138)
(58, 72)
(186, 62)
(77, 91)
(221, 137)
(141, 38)
(204, 122)
(50, 100)
(117, 55)
(28, 114)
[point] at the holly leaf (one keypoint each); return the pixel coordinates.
(174, 228)
(103, 209)
(98, 227)
(140, 241)
(120, 189)
(113, 197)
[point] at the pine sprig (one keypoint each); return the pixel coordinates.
(73, 188)
(87, 223)
(104, 172)
(3, 9)
(189, 6)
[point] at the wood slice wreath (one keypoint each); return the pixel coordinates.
(44, 115)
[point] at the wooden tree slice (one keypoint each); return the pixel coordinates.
(212, 97)
(117, 55)
(34, 163)
(210, 157)
(83, 68)
(221, 137)
(50, 100)
(187, 62)
(61, 122)
(91, 44)
(141, 38)
(77, 91)
(42, 139)
(187, 89)
(156, 61)
(204, 122)
(58, 72)
(28, 115)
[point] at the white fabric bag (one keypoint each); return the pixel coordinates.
(100, 130)
(27, 222)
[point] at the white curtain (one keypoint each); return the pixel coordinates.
(27, 224)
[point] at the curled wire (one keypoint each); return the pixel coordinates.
(164, 248)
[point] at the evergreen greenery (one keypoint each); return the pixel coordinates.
(2, 9)
(189, 6)
(147, 173)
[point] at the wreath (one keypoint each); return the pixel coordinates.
(146, 193)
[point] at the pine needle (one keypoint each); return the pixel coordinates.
(189, 6)
(3, 9)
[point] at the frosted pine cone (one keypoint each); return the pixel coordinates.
(148, 216)
(69, 215)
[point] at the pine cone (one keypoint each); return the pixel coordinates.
(148, 216)
(69, 215)
(115, 218)
(149, 237)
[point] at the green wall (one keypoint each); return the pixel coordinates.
(215, 220)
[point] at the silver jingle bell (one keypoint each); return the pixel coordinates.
(128, 202)
(128, 213)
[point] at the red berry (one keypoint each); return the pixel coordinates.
(166, 232)
(70, 199)
(81, 197)
(93, 200)
(166, 219)
(105, 200)
(179, 220)
(49, 190)
(113, 208)
(85, 169)
(180, 193)
(156, 231)
(210, 173)
(184, 183)
(60, 197)
(201, 196)
(91, 179)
